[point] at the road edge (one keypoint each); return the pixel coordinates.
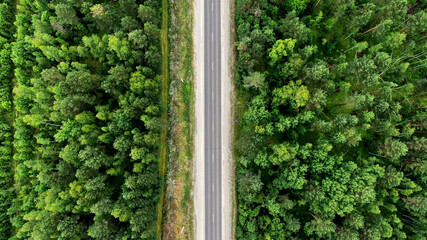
(227, 126)
(199, 142)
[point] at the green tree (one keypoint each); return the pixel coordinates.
(255, 80)
(295, 94)
(280, 49)
(393, 149)
(249, 185)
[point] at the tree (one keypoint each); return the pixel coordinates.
(120, 46)
(255, 80)
(103, 228)
(337, 125)
(94, 157)
(138, 39)
(148, 14)
(259, 116)
(417, 204)
(322, 228)
(295, 94)
(292, 27)
(66, 14)
(72, 228)
(393, 149)
(280, 49)
(249, 185)
(318, 73)
(98, 11)
(283, 152)
(79, 81)
(296, 5)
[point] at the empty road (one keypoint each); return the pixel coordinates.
(212, 115)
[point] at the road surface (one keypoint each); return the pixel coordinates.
(212, 115)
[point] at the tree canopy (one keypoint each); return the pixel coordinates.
(86, 90)
(330, 141)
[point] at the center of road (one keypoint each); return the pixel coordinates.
(212, 115)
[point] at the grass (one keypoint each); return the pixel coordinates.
(178, 207)
(165, 88)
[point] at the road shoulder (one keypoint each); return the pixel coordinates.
(227, 126)
(198, 159)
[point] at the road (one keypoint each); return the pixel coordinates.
(212, 115)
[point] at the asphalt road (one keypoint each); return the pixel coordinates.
(212, 92)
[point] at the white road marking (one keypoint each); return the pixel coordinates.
(213, 187)
(212, 66)
(212, 7)
(213, 217)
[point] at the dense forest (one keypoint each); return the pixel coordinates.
(6, 112)
(330, 141)
(84, 122)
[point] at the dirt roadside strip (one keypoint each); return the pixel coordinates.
(227, 127)
(178, 208)
(226, 110)
(198, 159)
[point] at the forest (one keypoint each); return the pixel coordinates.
(80, 124)
(330, 137)
(6, 111)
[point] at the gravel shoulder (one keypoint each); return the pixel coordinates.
(198, 159)
(227, 127)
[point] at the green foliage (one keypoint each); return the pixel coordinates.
(6, 116)
(248, 186)
(296, 5)
(283, 153)
(254, 80)
(86, 93)
(330, 142)
(280, 49)
(295, 94)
